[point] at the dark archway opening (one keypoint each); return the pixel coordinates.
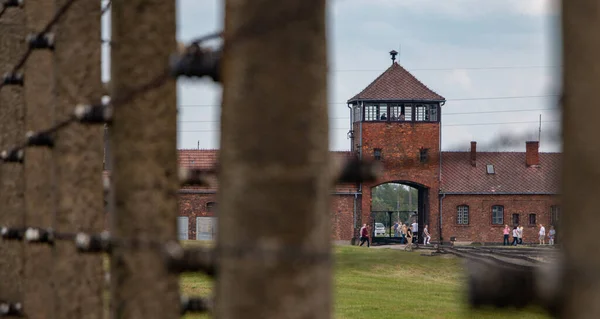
(394, 204)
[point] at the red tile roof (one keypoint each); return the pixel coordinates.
(511, 174)
(207, 158)
(397, 84)
(198, 158)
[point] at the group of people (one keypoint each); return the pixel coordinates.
(404, 231)
(392, 118)
(517, 235)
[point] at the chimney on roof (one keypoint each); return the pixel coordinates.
(474, 153)
(393, 53)
(532, 155)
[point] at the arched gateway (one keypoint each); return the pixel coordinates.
(398, 203)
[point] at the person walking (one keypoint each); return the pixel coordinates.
(542, 234)
(403, 231)
(415, 231)
(506, 231)
(409, 239)
(551, 234)
(364, 235)
(515, 234)
(519, 235)
(426, 235)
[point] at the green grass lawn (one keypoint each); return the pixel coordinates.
(386, 283)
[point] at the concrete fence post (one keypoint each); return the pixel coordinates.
(274, 183)
(78, 153)
(12, 204)
(40, 174)
(581, 177)
(143, 141)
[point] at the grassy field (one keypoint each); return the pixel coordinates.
(386, 283)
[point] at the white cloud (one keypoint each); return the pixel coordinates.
(463, 8)
(535, 7)
(461, 78)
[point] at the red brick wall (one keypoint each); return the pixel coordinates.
(480, 228)
(192, 206)
(342, 210)
(342, 216)
(400, 144)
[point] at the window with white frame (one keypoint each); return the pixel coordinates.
(408, 112)
(462, 215)
(371, 112)
(420, 112)
(432, 113)
(357, 113)
(497, 215)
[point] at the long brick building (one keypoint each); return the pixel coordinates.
(463, 196)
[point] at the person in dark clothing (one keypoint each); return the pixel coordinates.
(364, 235)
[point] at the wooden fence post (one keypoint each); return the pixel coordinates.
(144, 154)
(12, 205)
(581, 177)
(274, 242)
(40, 179)
(78, 156)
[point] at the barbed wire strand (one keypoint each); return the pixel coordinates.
(2, 10)
(21, 62)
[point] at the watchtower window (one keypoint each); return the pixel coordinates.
(372, 112)
(395, 112)
(426, 113)
(432, 113)
(357, 113)
(383, 112)
(419, 112)
(377, 154)
(408, 111)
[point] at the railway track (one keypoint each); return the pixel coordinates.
(505, 277)
(517, 256)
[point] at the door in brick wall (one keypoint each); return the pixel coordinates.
(206, 228)
(182, 228)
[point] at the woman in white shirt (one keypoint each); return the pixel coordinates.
(515, 234)
(426, 235)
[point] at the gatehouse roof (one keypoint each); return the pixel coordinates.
(397, 84)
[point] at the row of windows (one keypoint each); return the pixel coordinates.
(462, 215)
(423, 154)
(407, 112)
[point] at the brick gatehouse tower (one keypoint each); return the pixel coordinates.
(396, 120)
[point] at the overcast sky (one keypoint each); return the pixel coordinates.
(485, 57)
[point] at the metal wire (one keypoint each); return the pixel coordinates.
(21, 62)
